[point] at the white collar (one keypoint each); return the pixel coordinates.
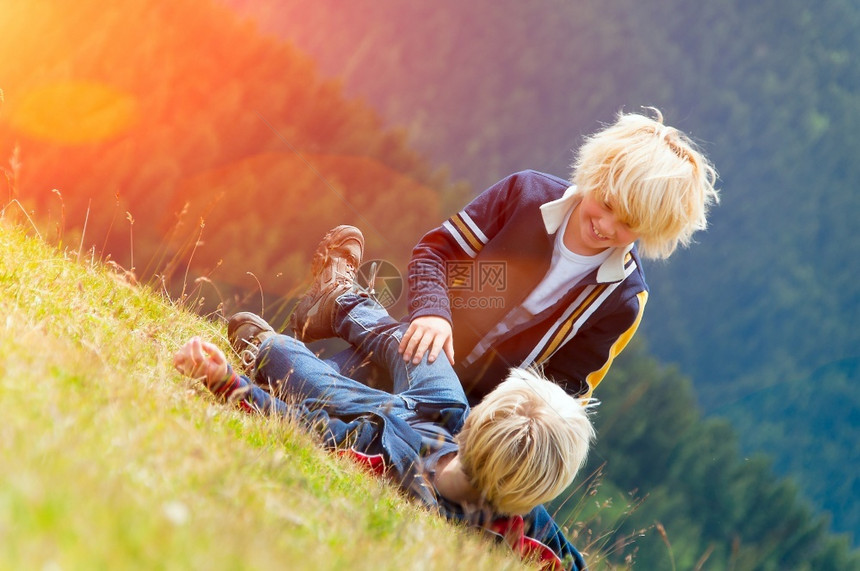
(553, 213)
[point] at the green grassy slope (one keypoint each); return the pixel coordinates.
(110, 459)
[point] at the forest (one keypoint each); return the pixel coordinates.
(205, 147)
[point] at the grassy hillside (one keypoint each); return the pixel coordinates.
(112, 460)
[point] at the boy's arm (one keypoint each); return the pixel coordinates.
(460, 238)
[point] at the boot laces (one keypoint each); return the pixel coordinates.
(350, 280)
(248, 355)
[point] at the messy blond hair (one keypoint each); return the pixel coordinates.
(524, 443)
(652, 176)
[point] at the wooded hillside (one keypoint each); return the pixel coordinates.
(762, 312)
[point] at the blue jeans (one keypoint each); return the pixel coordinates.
(418, 390)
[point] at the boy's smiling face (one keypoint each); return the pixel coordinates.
(594, 227)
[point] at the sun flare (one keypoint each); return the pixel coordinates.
(74, 112)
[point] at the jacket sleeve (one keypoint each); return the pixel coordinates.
(581, 363)
(459, 238)
(542, 529)
(538, 538)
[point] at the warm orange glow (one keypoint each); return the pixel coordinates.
(74, 112)
(302, 196)
(155, 108)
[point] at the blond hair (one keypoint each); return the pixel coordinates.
(652, 176)
(525, 442)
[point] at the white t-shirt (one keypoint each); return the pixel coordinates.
(566, 269)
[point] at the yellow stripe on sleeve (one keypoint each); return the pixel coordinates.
(467, 233)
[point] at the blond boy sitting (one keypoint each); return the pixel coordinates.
(542, 270)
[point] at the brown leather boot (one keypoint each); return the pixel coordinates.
(246, 332)
(334, 268)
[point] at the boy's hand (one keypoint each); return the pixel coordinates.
(428, 332)
(199, 359)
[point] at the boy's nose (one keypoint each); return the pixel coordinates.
(607, 229)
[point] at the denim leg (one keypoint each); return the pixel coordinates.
(365, 324)
(354, 363)
(286, 363)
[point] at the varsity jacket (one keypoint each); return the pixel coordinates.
(483, 262)
(406, 452)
